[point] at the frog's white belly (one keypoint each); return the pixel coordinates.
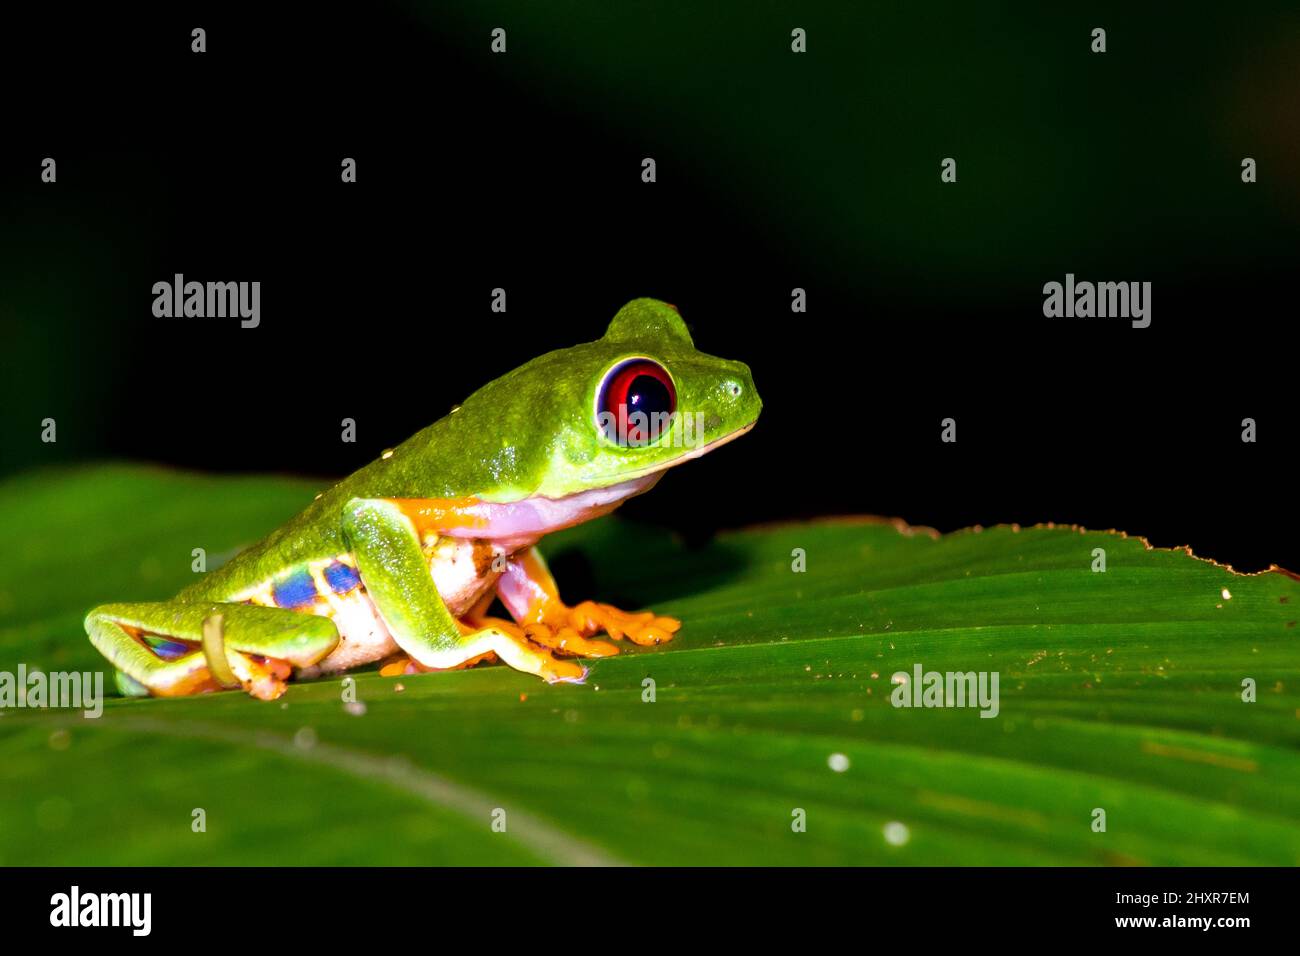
(363, 635)
(463, 571)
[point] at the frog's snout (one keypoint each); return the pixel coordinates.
(738, 389)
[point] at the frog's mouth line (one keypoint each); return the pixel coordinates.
(521, 523)
(704, 449)
(690, 455)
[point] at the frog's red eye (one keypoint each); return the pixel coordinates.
(636, 402)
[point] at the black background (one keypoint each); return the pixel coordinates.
(472, 175)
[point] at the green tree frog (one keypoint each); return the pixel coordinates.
(399, 563)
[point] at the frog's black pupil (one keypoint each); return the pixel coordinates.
(647, 394)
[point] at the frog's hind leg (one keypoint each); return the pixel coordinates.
(396, 577)
(476, 618)
(165, 648)
(529, 592)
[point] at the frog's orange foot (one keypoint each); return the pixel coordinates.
(262, 677)
(566, 640)
(402, 664)
(644, 627)
(553, 637)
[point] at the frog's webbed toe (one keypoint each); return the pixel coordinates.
(642, 627)
(529, 592)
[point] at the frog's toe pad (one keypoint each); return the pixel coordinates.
(567, 672)
(397, 667)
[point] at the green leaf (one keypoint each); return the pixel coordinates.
(1119, 690)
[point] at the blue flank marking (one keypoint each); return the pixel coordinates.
(168, 650)
(297, 590)
(341, 578)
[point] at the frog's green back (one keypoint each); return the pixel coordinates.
(530, 432)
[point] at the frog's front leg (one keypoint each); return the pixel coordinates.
(530, 594)
(396, 577)
(162, 647)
